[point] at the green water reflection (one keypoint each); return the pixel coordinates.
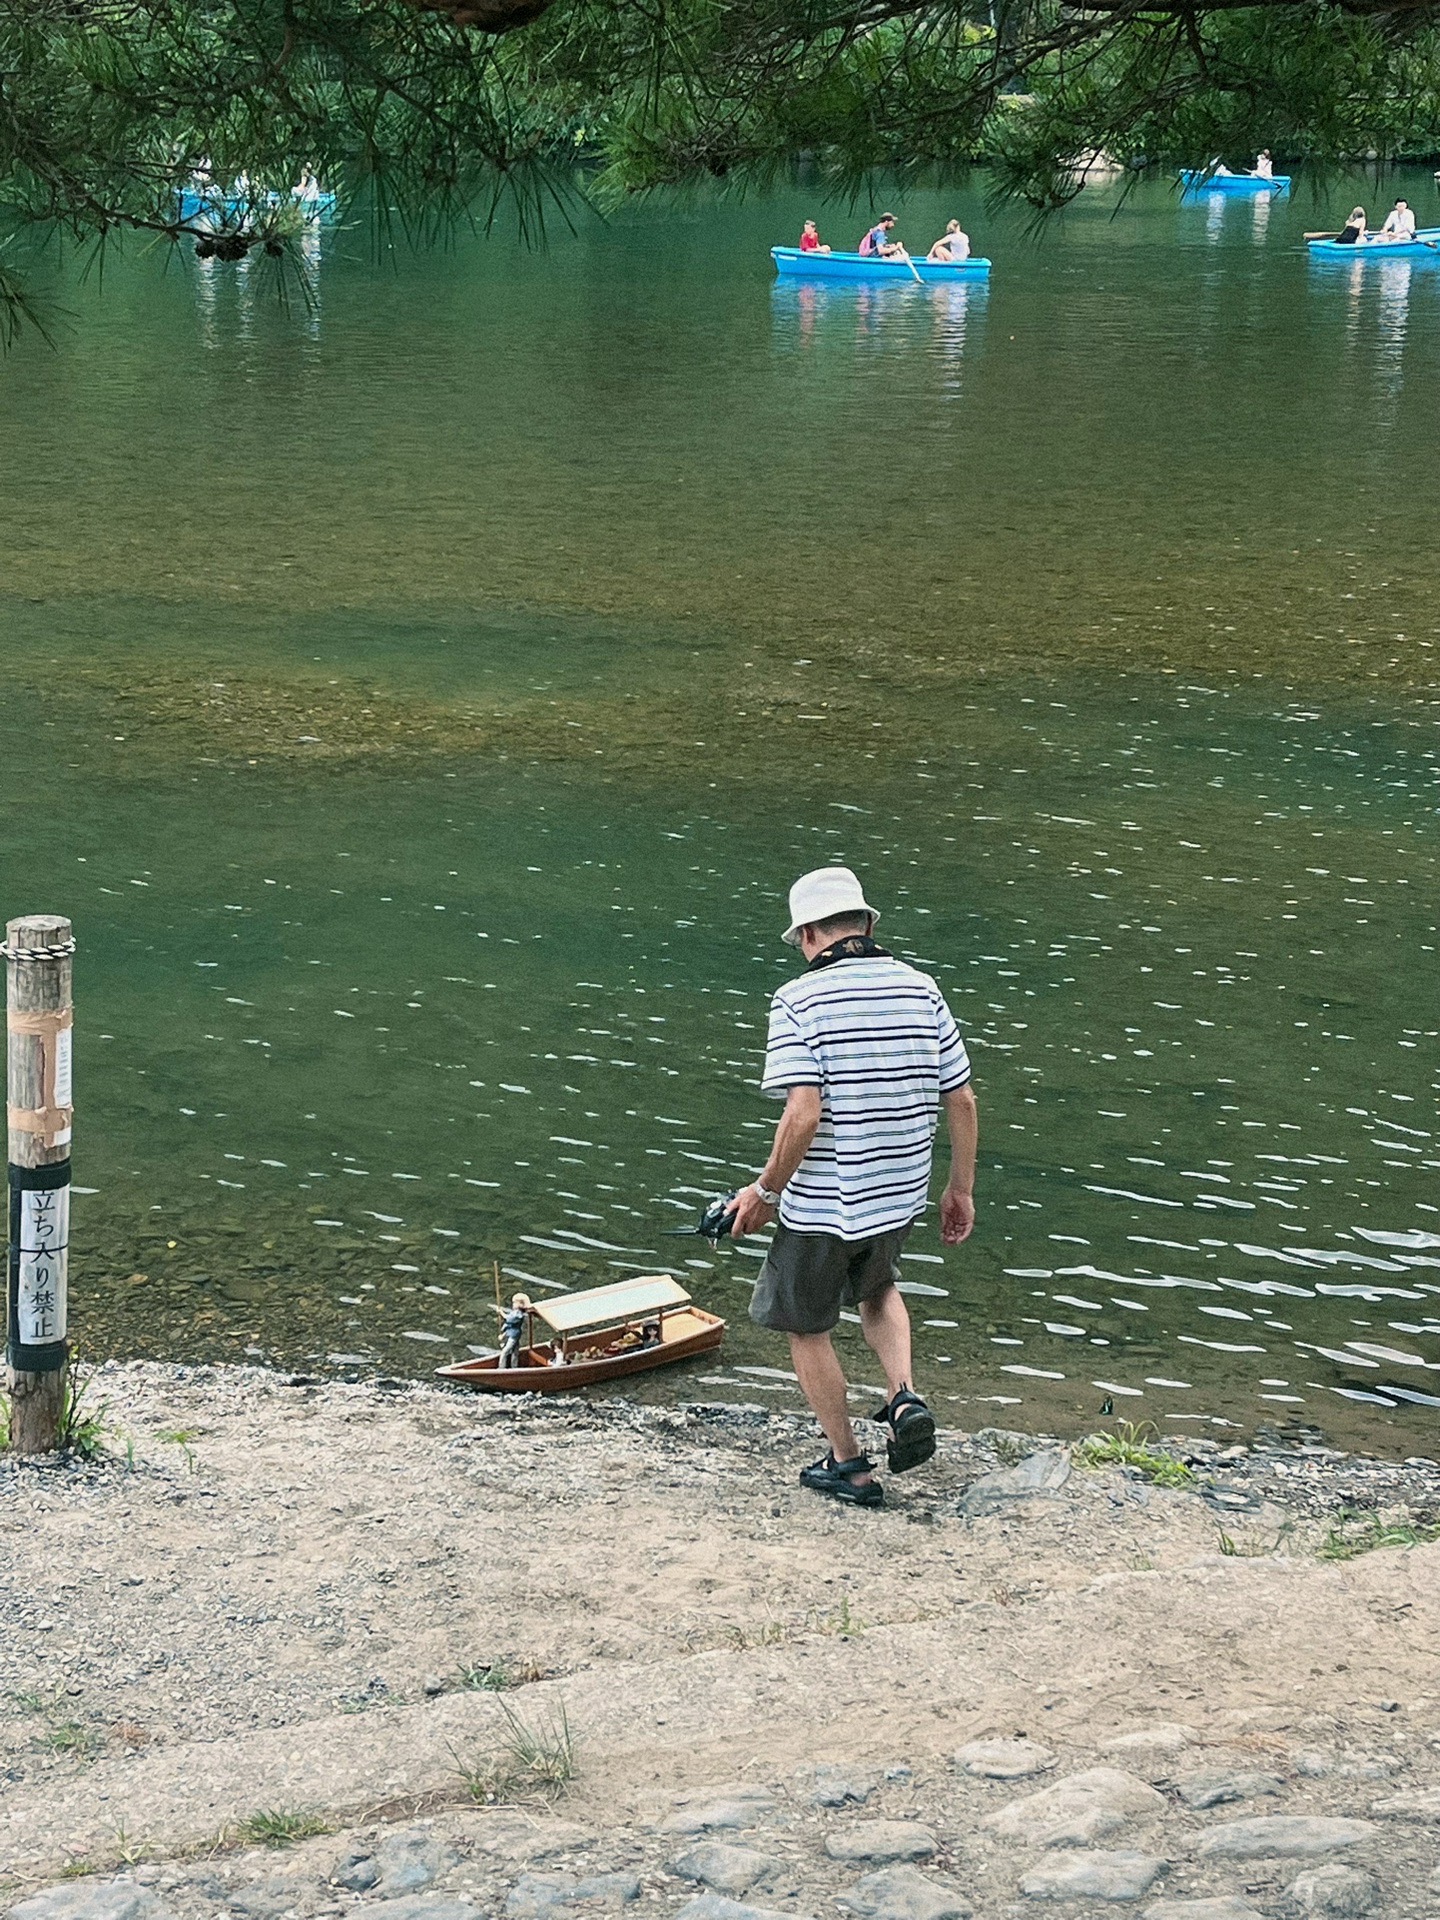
(430, 698)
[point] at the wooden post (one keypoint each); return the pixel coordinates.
(39, 1018)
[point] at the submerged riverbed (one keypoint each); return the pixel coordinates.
(426, 700)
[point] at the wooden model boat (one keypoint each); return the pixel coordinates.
(602, 1334)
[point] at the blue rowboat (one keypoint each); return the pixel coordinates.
(1196, 180)
(218, 208)
(1425, 246)
(791, 262)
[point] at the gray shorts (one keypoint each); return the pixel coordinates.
(808, 1277)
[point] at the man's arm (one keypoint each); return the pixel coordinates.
(796, 1130)
(957, 1203)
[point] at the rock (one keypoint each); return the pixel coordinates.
(1040, 1476)
(881, 1841)
(408, 1862)
(900, 1775)
(1094, 1876)
(1345, 1892)
(710, 1906)
(91, 1900)
(1410, 1806)
(725, 1868)
(420, 1906)
(535, 1896)
(358, 1871)
(1168, 1736)
(1311, 1764)
(1081, 1808)
(433, 1685)
(840, 1787)
(1281, 1836)
(1004, 1759)
(1224, 1906)
(733, 1808)
(904, 1893)
(1218, 1788)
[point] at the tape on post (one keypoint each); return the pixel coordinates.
(39, 1267)
(54, 1119)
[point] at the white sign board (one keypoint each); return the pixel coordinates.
(44, 1257)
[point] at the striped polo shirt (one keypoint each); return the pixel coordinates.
(878, 1040)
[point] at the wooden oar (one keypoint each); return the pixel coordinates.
(919, 278)
(1322, 236)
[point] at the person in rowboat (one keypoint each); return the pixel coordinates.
(1353, 230)
(878, 245)
(865, 1052)
(952, 247)
(512, 1329)
(810, 241)
(1264, 168)
(1399, 222)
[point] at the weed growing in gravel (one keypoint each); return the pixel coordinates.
(83, 1429)
(275, 1827)
(1362, 1533)
(498, 1676)
(72, 1737)
(531, 1760)
(1132, 1446)
(181, 1437)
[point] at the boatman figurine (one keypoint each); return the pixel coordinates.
(512, 1330)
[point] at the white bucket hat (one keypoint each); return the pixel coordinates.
(821, 894)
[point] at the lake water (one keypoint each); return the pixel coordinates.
(422, 703)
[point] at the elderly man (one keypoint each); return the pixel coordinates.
(865, 1052)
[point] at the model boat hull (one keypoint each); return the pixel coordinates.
(686, 1333)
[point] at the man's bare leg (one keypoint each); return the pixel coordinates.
(886, 1325)
(822, 1381)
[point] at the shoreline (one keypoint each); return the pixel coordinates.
(321, 1601)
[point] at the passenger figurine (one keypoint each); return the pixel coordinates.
(512, 1330)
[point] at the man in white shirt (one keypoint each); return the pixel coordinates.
(1399, 222)
(865, 1052)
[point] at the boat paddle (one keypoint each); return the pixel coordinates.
(919, 278)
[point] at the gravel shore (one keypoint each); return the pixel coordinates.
(275, 1607)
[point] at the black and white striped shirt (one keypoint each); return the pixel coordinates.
(879, 1041)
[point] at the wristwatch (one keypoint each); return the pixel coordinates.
(770, 1199)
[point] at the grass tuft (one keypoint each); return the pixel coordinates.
(1133, 1446)
(498, 1676)
(532, 1760)
(1364, 1533)
(279, 1827)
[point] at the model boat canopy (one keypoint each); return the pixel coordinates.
(626, 1300)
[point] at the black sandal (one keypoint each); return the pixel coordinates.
(837, 1478)
(912, 1431)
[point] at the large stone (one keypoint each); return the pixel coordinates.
(520, 1840)
(1094, 1876)
(725, 1868)
(1166, 1736)
(904, 1893)
(91, 1900)
(535, 1896)
(419, 1906)
(1282, 1836)
(841, 1787)
(1222, 1906)
(1004, 1759)
(1081, 1808)
(1040, 1476)
(1340, 1893)
(713, 1906)
(729, 1810)
(405, 1862)
(1217, 1788)
(1422, 1806)
(879, 1842)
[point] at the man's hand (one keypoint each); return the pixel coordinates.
(957, 1216)
(751, 1213)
